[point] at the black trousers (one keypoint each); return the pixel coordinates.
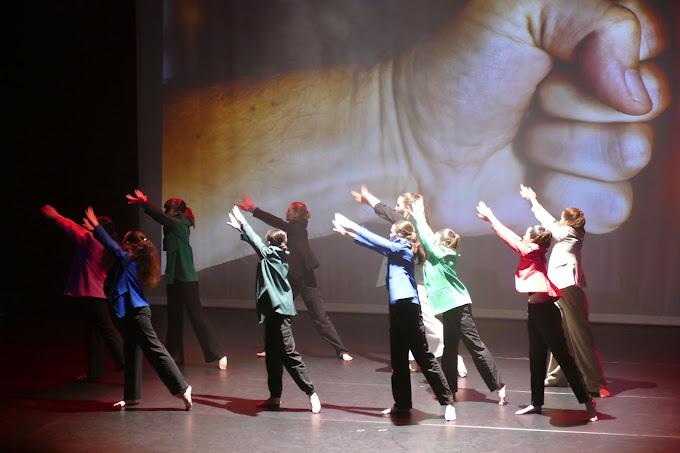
(279, 345)
(140, 338)
(459, 324)
(100, 332)
(407, 332)
(306, 287)
(184, 295)
(546, 335)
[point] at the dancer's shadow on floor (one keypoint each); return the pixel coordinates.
(240, 406)
(568, 418)
(76, 406)
(616, 385)
(413, 418)
(463, 394)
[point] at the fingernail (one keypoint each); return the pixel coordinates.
(636, 88)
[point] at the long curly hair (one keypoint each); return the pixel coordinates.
(406, 230)
(144, 253)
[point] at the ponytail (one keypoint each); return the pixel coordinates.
(405, 229)
(180, 205)
(449, 239)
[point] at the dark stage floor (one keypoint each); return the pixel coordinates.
(42, 410)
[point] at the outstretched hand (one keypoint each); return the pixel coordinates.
(365, 196)
(417, 207)
(484, 212)
(247, 204)
(90, 221)
(139, 197)
(232, 222)
(527, 192)
(49, 212)
(344, 226)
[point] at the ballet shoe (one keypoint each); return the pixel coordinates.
(395, 411)
(591, 410)
(222, 364)
(271, 403)
(530, 409)
(450, 413)
(315, 403)
(186, 397)
(125, 403)
(604, 393)
(501, 396)
(346, 357)
(462, 369)
(554, 383)
(261, 354)
(85, 378)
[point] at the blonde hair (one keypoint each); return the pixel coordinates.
(449, 239)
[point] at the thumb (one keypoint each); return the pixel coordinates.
(604, 41)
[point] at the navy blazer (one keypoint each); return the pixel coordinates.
(400, 272)
(122, 285)
(302, 258)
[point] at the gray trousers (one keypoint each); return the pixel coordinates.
(576, 322)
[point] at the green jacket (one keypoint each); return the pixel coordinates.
(272, 273)
(180, 264)
(442, 285)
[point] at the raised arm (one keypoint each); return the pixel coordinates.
(76, 232)
(426, 234)
(91, 223)
(151, 209)
(558, 231)
(512, 239)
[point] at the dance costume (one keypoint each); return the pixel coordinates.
(565, 270)
(449, 297)
(127, 297)
(406, 324)
(182, 287)
(275, 309)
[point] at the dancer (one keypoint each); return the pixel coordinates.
(302, 265)
(566, 271)
(403, 250)
(544, 322)
(85, 283)
(275, 309)
(450, 298)
(181, 279)
(434, 331)
(135, 267)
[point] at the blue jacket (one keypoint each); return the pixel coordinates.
(122, 285)
(400, 272)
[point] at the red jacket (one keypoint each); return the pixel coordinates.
(532, 274)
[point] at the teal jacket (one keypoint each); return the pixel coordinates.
(272, 273)
(179, 254)
(442, 285)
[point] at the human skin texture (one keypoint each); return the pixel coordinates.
(556, 93)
